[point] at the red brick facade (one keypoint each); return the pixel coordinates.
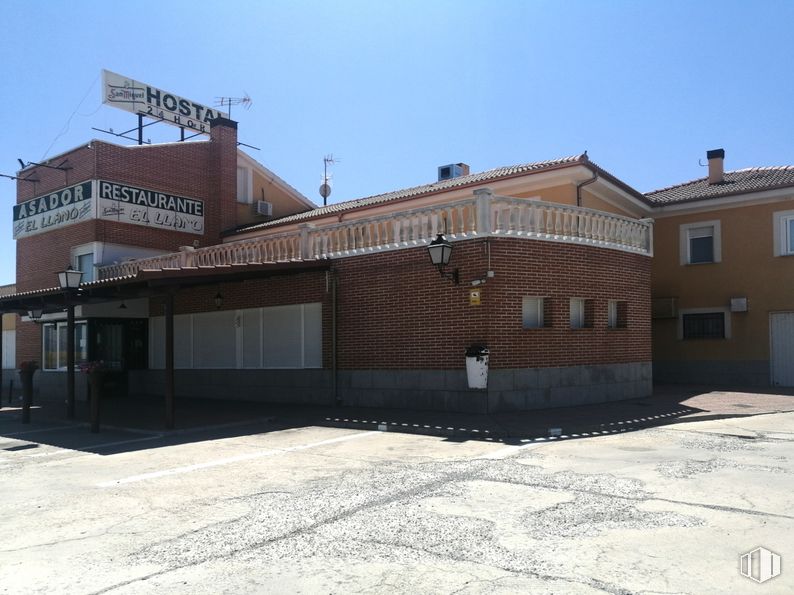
(203, 170)
(395, 311)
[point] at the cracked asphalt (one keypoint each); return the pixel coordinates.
(268, 509)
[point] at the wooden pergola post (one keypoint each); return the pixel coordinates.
(169, 360)
(69, 359)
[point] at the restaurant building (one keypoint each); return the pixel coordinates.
(206, 275)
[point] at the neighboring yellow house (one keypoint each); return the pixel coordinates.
(723, 277)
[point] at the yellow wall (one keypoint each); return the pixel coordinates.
(748, 269)
(566, 194)
(265, 189)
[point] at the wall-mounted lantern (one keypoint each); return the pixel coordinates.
(218, 299)
(70, 278)
(35, 314)
(440, 251)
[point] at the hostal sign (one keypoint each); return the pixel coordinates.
(100, 199)
(139, 98)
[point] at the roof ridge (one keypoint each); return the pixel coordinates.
(732, 171)
(412, 191)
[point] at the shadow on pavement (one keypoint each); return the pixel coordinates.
(137, 422)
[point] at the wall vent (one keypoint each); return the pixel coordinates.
(664, 307)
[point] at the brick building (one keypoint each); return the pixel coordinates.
(189, 292)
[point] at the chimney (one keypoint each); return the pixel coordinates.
(716, 170)
(453, 170)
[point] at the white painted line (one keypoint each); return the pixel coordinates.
(230, 460)
(509, 451)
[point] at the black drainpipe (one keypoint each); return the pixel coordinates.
(334, 367)
(585, 183)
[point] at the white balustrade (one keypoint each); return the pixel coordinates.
(464, 219)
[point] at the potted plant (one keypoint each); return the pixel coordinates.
(26, 371)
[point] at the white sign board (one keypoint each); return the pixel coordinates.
(127, 204)
(99, 199)
(139, 98)
(69, 205)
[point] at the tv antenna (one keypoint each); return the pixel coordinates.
(230, 101)
(325, 187)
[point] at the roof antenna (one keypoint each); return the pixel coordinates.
(325, 187)
(245, 101)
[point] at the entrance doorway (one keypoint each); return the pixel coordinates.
(781, 344)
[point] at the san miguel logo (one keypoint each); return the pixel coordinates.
(125, 94)
(140, 98)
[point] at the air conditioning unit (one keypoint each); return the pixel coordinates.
(453, 170)
(264, 208)
(664, 307)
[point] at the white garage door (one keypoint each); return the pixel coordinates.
(781, 327)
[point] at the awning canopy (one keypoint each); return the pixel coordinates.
(148, 283)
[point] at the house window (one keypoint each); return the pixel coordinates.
(704, 323)
(532, 312)
(85, 263)
(244, 183)
(783, 232)
(617, 314)
(700, 243)
(581, 313)
(54, 344)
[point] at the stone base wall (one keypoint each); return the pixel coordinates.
(713, 372)
(269, 386)
(441, 390)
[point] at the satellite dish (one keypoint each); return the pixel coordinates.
(325, 190)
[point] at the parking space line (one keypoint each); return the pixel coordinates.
(508, 451)
(38, 431)
(230, 460)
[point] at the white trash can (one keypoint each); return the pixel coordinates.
(477, 366)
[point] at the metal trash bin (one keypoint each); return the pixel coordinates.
(477, 366)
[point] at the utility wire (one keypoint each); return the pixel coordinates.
(65, 128)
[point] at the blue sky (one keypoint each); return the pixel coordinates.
(396, 89)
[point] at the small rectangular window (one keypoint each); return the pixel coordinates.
(701, 245)
(577, 313)
(617, 314)
(706, 325)
(532, 312)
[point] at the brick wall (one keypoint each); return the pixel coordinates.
(396, 312)
(203, 170)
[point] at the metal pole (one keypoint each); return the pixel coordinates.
(140, 129)
(1, 359)
(169, 361)
(334, 366)
(69, 358)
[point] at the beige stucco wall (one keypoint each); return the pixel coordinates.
(748, 269)
(566, 194)
(266, 189)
